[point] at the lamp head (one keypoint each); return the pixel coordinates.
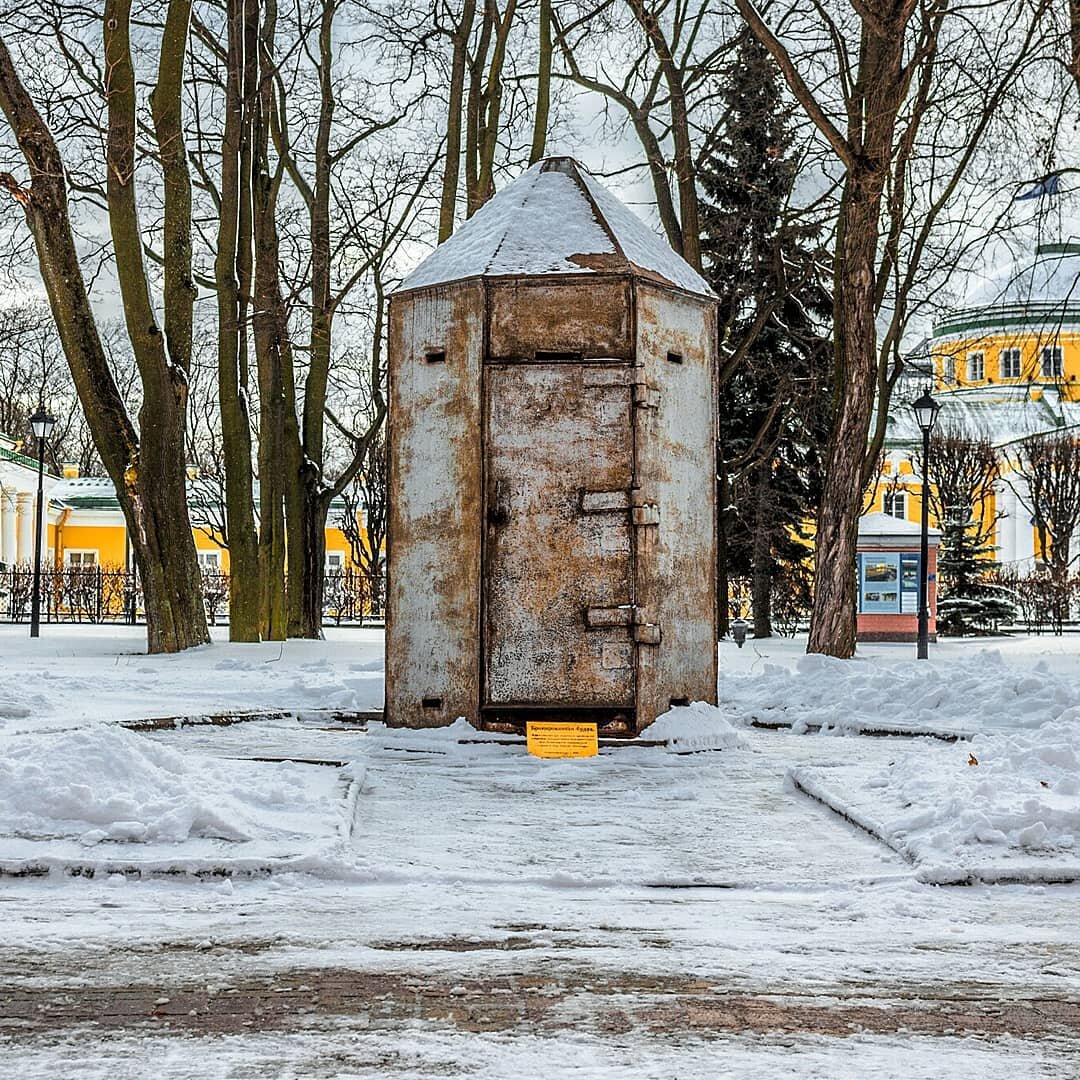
(42, 424)
(926, 410)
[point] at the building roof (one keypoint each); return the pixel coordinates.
(18, 459)
(1004, 413)
(879, 526)
(1038, 292)
(98, 493)
(555, 219)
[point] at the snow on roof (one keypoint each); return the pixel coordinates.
(554, 219)
(1051, 277)
(1004, 414)
(879, 524)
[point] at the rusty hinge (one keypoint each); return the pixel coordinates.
(597, 618)
(602, 502)
(646, 396)
(646, 630)
(643, 630)
(645, 513)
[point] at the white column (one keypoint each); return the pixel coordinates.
(1025, 530)
(8, 539)
(25, 507)
(1006, 526)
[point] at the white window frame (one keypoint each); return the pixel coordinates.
(1056, 355)
(976, 366)
(1010, 363)
(335, 567)
(948, 369)
(209, 561)
(82, 553)
(891, 500)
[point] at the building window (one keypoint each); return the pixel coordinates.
(948, 369)
(209, 562)
(1009, 363)
(335, 561)
(895, 504)
(81, 560)
(1051, 362)
(976, 367)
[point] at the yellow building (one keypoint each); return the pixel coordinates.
(87, 528)
(1005, 365)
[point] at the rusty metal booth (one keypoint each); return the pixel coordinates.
(552, 533)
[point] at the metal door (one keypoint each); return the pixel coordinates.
(558, 556)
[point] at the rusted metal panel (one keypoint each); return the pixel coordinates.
(556, 575)
(432, 635)
(590, 316)
(675, 432)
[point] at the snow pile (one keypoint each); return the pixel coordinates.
(1019, 791)
(110, 784)
(697, 726)
(1005, 806)
(968, 694)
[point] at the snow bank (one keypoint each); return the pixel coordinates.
(967, 695)
(1000, 806)
(693, 727)
(110, 784)
(1019, 791)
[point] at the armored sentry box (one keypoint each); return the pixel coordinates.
(552, 532)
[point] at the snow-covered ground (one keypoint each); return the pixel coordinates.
(681, 914)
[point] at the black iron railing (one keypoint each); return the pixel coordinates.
(103, 594)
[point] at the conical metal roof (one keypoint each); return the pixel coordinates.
(555, 219)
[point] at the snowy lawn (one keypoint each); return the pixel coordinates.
(601, 883)
(77, 675)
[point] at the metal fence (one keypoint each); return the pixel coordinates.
(102, 594)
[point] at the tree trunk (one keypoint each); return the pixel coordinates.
(154, 507)
(304, 506)
(485, 181)
(475, 114)
(762, 563)
(454, 116)
(231, 271)
(685, 173)
(156, 480)
(272, 351)
(543, 85)
(832, 621)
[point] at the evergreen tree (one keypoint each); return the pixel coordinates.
(968, 602)
(766, 262)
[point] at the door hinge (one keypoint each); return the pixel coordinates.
(645, 513)
(646, 396)
(598, 618)
(603, 502)
(643, 630)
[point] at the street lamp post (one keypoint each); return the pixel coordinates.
(926, 410)
(41, 424)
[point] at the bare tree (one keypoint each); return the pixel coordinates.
(1049, 466)
(964, 471)
(904, 121)
(145, 464)
(666, 58)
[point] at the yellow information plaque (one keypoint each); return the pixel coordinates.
(548, 739)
